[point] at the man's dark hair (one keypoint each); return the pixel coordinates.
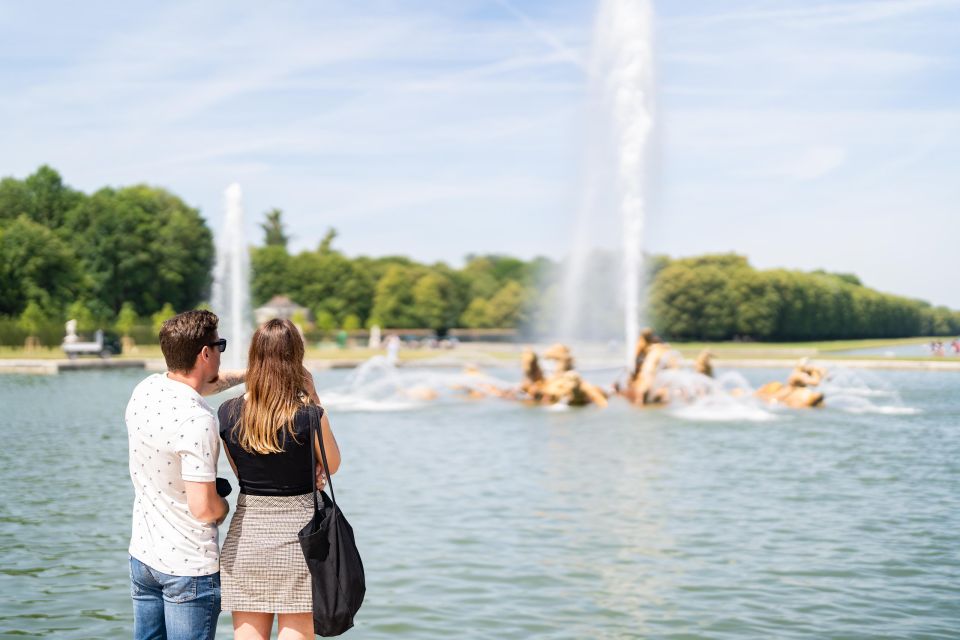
(184, 335)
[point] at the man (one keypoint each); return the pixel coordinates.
(174, 446)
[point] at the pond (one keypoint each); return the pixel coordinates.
(490, 519)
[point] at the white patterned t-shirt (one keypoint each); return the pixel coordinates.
(173, 437)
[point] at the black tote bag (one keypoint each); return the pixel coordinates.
(336, 571)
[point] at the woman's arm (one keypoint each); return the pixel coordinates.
(329, 444)
(329, 441)
(233, 465)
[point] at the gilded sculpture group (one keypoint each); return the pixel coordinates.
(651, 356)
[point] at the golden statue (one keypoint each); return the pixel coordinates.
(563, 385)
(649, 353)
(704, 363)
(798, 392)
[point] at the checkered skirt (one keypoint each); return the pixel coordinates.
(261, 563)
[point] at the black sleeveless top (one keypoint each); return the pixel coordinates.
(271, 474)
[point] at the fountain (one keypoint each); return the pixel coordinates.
(378, 385)
(621, 74)
(231, 287)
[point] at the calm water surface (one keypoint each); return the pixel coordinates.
(493, 520)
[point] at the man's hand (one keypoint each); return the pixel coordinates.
(226, 507)
(204, 503)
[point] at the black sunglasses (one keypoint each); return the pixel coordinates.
(221, 343)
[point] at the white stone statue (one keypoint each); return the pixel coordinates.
(71, 336)
(374, 337)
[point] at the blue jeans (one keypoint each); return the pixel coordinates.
(169, 607)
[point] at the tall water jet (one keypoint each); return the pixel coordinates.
(621, 84)
(231, 286)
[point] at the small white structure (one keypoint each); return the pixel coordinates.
(280, 307)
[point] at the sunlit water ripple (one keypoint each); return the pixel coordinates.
(485, 519)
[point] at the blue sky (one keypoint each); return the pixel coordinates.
(802, 134)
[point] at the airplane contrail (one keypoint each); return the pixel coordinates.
(548, 38)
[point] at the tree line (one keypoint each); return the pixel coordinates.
(711, 297)
(129, 257)
(116, 255)
(489, 291)
(721, 297)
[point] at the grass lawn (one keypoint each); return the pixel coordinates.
(822, 349)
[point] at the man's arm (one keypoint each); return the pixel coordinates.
(205, 505)
(224, 381)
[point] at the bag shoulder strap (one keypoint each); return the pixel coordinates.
(316, 431)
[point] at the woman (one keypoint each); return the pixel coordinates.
(266, 434)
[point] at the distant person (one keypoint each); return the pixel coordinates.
(174, 559)
(393, 348)
(266, 434)
(955, 345)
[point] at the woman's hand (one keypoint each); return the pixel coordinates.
(321, 477)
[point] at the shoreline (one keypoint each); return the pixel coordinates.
(49, 366)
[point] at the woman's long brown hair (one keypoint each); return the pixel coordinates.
(276, 387)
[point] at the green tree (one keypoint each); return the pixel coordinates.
(36, 266)
(375, 268)
(42, 197)
(757, 305)
(481, 275)
(273, 229)
(504, 268)
(299, 318)
(508, 308)
(326, 244)
(351, 322)
(693, 298)
(79, 311)
(435, 302)
(270, 273)
(330, 282)
(158, 318)
(50, 198)
(127, 319)
(144, 245)
(393, 300)
(32, 318)
(477, 315)
(14, 200)
(325, 320)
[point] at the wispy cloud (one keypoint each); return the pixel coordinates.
(820, 14)
(387, 118)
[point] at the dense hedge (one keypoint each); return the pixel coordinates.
(721, 297)
(51, 334)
